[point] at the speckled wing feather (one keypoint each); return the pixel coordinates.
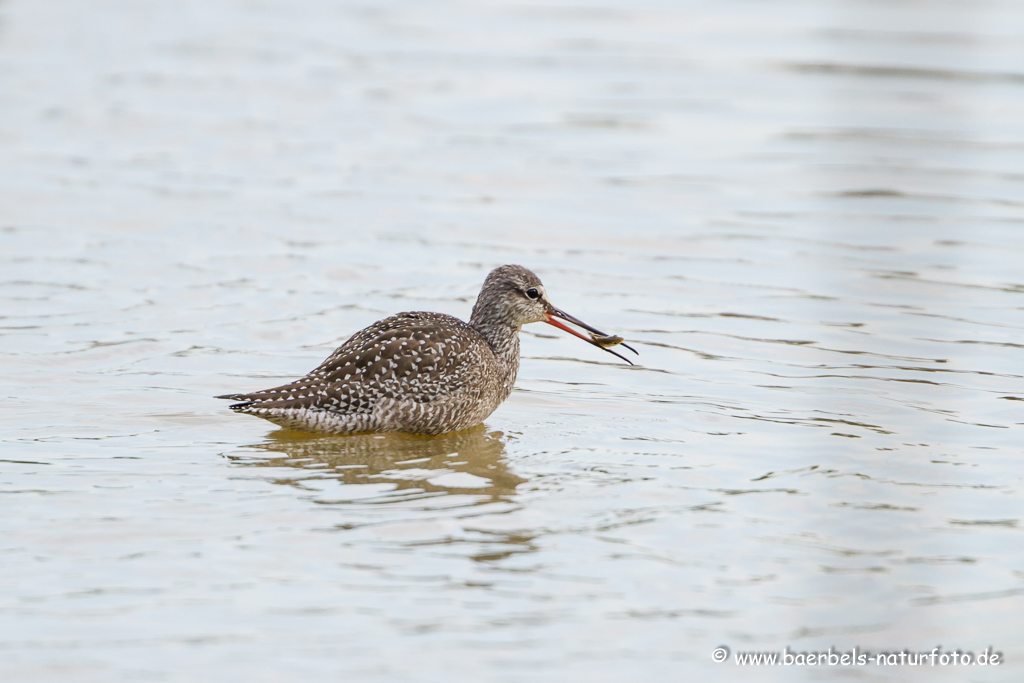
(413, 358)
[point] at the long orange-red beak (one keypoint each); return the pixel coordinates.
(556, 313)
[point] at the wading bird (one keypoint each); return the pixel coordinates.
(421, 373)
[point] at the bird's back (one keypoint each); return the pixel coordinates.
(425, 373)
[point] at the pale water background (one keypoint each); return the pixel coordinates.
(807, 216)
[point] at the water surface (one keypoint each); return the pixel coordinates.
(807, 217)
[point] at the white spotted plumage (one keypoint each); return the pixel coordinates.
(418, 372)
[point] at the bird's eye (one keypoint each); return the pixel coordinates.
(533, 293)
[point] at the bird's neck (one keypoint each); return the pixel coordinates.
(502, 337)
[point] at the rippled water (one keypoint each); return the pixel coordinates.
(807, 217)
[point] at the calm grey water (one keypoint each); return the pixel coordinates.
(808, 217)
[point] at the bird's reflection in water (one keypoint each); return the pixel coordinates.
(388, 468)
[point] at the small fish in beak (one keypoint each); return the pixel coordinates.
(597, 337)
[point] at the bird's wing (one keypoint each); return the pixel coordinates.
(417, 356)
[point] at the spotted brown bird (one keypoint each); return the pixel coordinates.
(421, 373)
